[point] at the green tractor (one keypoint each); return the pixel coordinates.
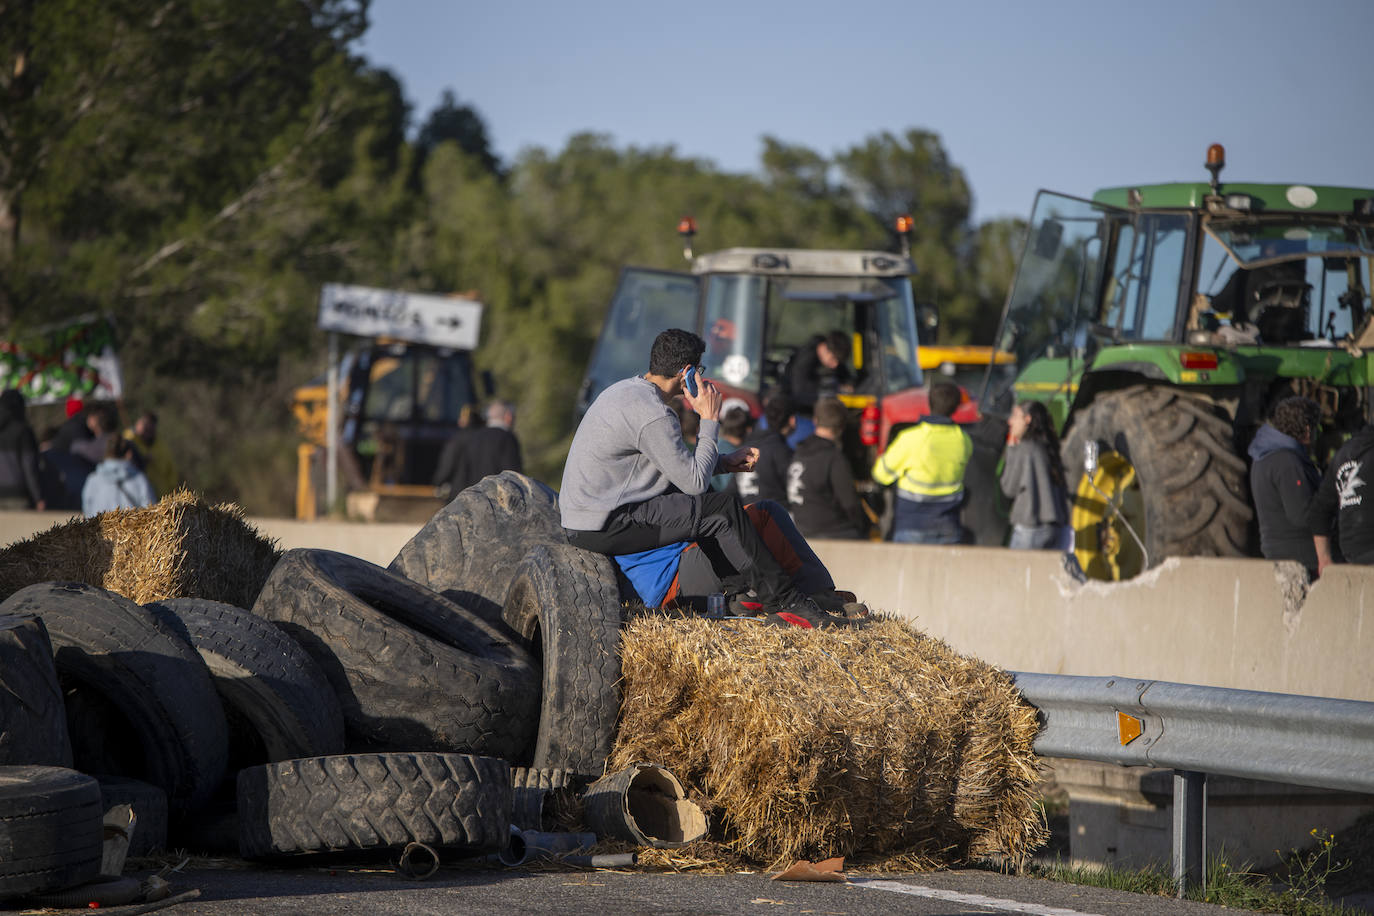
(1160, 324)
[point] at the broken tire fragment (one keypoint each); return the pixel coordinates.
(644, 804)
(33, 721)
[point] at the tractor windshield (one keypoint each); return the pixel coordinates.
(1300, 280)
(1051, 297)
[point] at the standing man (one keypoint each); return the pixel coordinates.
(820, 487)
(927, 462)
(1283, 481)
(479, 450)
(631, 485)
(1344, 503)
(151, 455)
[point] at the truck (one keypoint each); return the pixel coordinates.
(757, 307)
(1160, 324)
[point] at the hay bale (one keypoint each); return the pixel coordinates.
(180, 547)
(872, 742)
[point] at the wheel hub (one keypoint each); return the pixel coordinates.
(1103, 504)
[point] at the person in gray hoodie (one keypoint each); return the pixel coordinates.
(1283, 481)
(630, 484)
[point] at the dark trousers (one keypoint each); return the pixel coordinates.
(715, 520)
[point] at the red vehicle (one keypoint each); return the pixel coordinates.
(757, 307)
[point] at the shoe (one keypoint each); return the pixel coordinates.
(745, 606)
(833, 600)
(805, 614)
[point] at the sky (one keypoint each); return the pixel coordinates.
(1066, 95)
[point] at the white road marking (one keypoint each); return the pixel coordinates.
(995, 903)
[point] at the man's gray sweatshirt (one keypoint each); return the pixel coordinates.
(629, 448)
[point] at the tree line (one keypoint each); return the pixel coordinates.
(198, 168)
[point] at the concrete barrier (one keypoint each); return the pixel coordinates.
(1250, 624)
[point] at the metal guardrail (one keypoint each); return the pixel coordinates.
(1298, 740)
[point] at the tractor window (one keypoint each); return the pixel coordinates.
(1291, 280)
(1051, 296)
(444, 386)
(733, 329)
(646, 302)
(896, 329)
(1141, 300)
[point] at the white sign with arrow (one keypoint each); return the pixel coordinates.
(440, 321)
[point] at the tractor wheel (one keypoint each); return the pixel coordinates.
(1167, 471)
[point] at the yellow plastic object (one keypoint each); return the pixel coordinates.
(1105, 549)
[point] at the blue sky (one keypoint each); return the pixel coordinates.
(1067, 95)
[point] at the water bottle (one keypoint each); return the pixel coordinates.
(715, 605)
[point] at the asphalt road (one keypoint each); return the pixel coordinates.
(379, 891)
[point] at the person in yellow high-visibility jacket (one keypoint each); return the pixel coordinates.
(927, 463)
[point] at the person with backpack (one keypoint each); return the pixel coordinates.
(116, 483)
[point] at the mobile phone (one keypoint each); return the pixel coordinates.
(689, 379)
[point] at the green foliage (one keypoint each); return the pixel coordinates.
(198, 168)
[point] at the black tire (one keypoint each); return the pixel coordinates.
(169, 729)
(150, 811)
(1194, 496)
(374, 801)
(411, 669)
(33, 721)
(534, 791)
(566, 602)
(469, 550)
(264, 676)
(50, 829)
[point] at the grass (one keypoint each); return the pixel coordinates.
(1298, 888)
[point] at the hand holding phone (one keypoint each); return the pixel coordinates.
(689, 380)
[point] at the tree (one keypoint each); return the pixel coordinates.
(460, 124)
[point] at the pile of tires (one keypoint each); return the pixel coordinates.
(351, 708)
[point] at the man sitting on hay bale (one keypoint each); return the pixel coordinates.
(632, 490)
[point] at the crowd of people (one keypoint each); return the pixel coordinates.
(85, 464)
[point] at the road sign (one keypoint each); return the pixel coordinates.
(440, 321)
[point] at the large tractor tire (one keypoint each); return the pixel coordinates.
(33, 719)
(1167, 470)
(374, 801)
(469, 550)
(412, 669)
(139, 701)
(566, 602)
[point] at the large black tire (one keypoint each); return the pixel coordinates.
(33, 722)
(1193, 494)
(264, 676)
(374, 801)
(149, 804)
(155, 715)
(50, 829)
(411, 669)
(534, 792)
(469, 550)
(566, 602)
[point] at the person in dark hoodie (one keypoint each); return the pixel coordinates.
(19, 475)
(1340, 505)
(768, 479)
(1283, 481)
(820, 486)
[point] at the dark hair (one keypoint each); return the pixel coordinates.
(831, 414)
(12, 402)
(1295, 416)
(116, 446)
(1041, 429)
(944, 399)
(673, 349)
(106, 416)
(736, 422)
(777, 409)
(838, 343)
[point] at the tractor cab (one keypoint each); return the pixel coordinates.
(759, 308)
(1160, 324)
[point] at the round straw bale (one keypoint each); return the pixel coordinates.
(179, 547)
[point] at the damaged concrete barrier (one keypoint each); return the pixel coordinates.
(645, 804)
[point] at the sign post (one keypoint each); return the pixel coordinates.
(453, 322)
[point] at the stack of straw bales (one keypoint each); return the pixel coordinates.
(180, 547)
(872, 743)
